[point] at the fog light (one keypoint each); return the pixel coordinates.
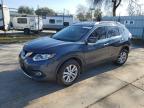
(38, 74)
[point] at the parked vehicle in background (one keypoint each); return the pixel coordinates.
(58, 22)
(75, 48)
(4, 17)
(28, 24)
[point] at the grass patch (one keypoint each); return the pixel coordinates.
(19, 38)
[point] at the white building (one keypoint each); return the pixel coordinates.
(58, 22)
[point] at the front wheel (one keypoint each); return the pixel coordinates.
(122, 58)
(68, 73)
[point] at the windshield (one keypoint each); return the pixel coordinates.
(72, 33)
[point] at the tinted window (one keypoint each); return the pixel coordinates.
(121, 30)
(59, 21)
(128, 22)
(113, 31)
(99, 33)
(66, 24)
(72, 33)
(131, 22)
(52, 21)
(22, 20)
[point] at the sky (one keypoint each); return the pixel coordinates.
(59, 5)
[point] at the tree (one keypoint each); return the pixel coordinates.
(88, 15)
(81, 17)
(85, 14)
(115, 4)
(134, 9)
(25, 10)
(98, 15)
(81, 12)
(45, 11)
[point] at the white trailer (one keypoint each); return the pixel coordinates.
(28, 24)
(57, 22)
(4, 17)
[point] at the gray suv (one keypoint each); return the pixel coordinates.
(70, 51)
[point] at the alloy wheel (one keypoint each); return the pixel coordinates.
(122, 57)
(70, 73)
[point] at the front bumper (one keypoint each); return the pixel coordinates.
(40, 71)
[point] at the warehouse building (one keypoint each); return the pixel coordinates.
(135, 24)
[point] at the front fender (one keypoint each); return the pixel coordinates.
(74, 55)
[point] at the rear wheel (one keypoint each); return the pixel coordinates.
(122, 58)
(26, 31)
(68, 73)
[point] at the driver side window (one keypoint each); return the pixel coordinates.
(99, 33)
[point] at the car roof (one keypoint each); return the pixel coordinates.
(101, 23)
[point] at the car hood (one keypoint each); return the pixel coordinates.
(40, 44)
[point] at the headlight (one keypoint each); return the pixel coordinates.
(40, 57)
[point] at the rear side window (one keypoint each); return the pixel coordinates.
(113, 31)
(52, 21)
(99, 33)
(59, 21)
(22, 20)
(66, 24)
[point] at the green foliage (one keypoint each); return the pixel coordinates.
(81, 12)
(25, 10)
(88, 15)
(114, 4)
(81, 17)
(45, 11)
(84, 14)
(98, 15)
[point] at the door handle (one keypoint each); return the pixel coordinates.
(106, 44)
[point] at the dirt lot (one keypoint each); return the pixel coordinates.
(106, 86)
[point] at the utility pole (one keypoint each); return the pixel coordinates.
(63, 17)
(92, 10)
(38, 20)
(92, 13)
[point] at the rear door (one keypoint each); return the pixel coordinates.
(99, 51)
(115, 38)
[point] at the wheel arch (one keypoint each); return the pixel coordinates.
(78, 59)
(126, 48)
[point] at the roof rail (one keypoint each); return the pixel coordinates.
(109, 22)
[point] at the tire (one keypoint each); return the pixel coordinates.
(66, 77)
(36, 32)
(26, 31)
(122, 57)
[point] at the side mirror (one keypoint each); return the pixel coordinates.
(92, 39)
